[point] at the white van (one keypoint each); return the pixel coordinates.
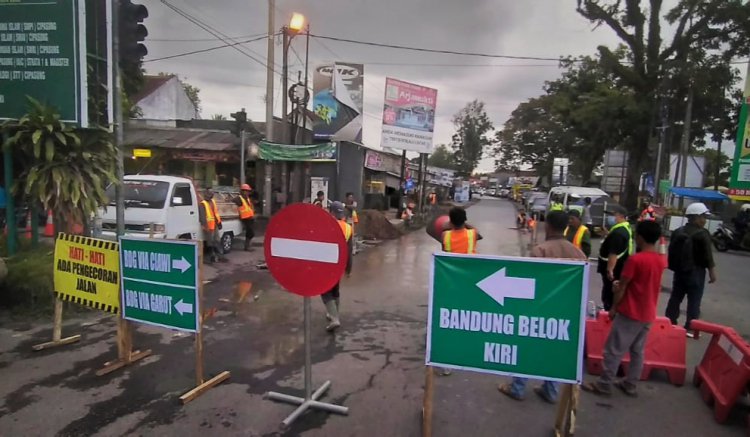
(170, 205)
(572, 194)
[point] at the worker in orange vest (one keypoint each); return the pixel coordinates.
(210, 220)
(577, 233)
(461, 237)
(332, 298)
(246, 209)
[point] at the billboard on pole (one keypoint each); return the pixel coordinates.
(739, 183)
(338, 91)
(43, 55)
(408, 116)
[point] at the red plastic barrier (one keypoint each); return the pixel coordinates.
(665, 348)
(724, 372)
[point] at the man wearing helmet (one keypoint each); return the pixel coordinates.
(689, 257)
(246, 209)
(741, 225)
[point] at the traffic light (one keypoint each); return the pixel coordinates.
(240, 120)
(132, 32)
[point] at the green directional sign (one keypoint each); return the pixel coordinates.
(160, 282)
(43, 55)
(506, 315)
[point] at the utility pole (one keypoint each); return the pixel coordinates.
(117, 123)
(685, 144)
(659, 150)
(269, 108)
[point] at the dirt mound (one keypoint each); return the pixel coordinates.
(374, 225)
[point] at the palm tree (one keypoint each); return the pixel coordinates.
(218, 117)
(64, 170)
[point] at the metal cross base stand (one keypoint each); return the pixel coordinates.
(311, 399)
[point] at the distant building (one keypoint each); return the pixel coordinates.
(164, 98)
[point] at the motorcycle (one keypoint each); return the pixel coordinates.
(725, 238)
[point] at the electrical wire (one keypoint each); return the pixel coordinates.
(215, 33)
(192, 52)
(203, 39)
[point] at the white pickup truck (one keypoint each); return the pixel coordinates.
(170, 205)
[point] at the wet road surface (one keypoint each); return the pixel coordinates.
(375, 361)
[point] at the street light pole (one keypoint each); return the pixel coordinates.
(268, 170)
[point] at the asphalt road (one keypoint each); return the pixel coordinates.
(375, 362)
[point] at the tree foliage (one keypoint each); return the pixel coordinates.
(66, 171)
(703, 35)
(473, 135)
(442, 157)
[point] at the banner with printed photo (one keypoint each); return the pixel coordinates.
(338, 91)
(408, 116)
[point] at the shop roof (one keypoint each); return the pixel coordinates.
(187, 139)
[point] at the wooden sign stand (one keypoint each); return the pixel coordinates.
(57, 339)
(125, 354)
(567, 409)
(202, 385)
(565, 421)
(429, 375)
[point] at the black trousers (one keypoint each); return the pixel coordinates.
(331, 294)
(608, 295)
(248, 224)
(690, 284)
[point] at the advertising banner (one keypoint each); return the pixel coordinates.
(739, 182)
(87, 272)
(338, 91)
(508, 316)
(408, 116)
(43, 55)
(323, 152)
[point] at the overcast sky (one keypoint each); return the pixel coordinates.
(230, 80)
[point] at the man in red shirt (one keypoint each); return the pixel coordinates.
(634, 309)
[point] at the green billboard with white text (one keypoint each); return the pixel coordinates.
(509, 316)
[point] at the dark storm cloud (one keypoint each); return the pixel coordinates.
(229, 80)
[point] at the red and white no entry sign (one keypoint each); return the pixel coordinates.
(305, 250)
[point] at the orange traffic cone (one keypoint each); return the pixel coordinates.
(49, 228)
(27, 235)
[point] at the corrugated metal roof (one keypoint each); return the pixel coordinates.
(189, 139)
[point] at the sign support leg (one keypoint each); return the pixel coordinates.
(57, 339)
(311, 399)
(566, 411)
(201, 386)
(125, 354)
(427, 402)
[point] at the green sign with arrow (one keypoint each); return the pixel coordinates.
(507, 315)
(160, 282)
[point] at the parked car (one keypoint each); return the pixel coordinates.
(170, 205)
(532, 196)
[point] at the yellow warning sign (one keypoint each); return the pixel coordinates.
(87, 272)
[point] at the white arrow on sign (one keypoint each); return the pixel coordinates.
(183, 307)
(498, 286)
(181, 264)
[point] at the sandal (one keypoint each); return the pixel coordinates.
(507, 391)
(540, 392)
(595, 388)
(627, 389)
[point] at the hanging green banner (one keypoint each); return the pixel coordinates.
(323, 152)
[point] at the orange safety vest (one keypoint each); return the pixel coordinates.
(460, 241)
(578, 237)
(212, 214)
(246, 209)
(346, 228)
(433, 198)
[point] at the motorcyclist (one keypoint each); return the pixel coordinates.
(741, 224)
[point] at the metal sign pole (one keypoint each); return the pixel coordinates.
(311, 399)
